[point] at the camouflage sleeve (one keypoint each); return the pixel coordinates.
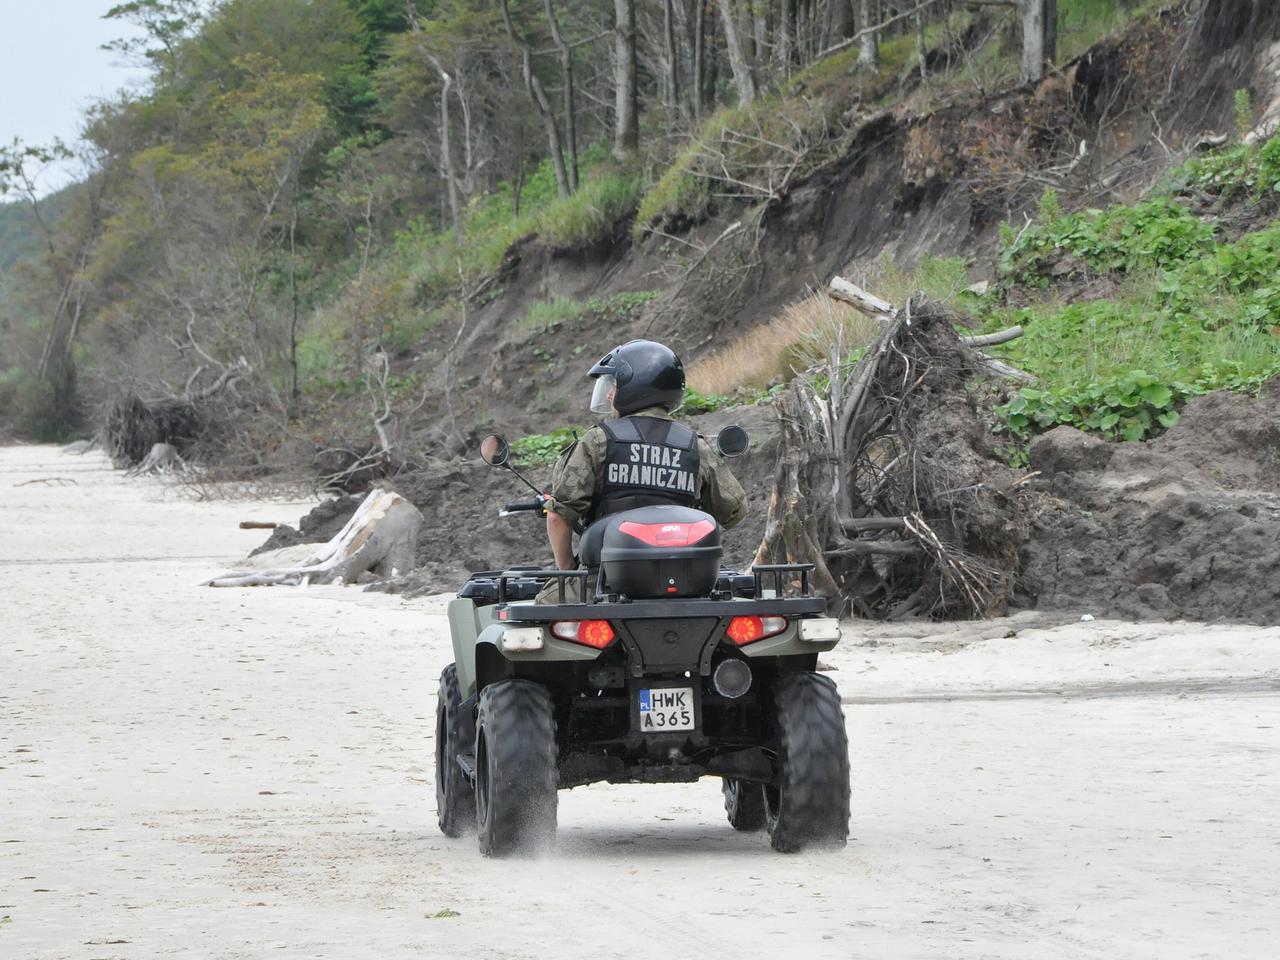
(575, 477)
(719, 493)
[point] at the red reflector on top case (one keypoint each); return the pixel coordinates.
(668, 534)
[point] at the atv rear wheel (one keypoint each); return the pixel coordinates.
(455, 798)
(809, 806)
(744, 804)
(516, 778)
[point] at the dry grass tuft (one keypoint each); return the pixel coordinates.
(797, 338)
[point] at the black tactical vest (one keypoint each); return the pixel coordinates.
(648, 462)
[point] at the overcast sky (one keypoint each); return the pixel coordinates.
(51, 68)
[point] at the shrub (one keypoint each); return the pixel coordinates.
(592, 215)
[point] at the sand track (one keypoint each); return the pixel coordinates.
(188, 772)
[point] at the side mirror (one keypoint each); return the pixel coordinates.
(732, 441)
(494, 450)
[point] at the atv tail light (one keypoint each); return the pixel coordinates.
(744, 630)
(668, 534)
(591, 633)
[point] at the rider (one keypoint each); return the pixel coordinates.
(640, 456)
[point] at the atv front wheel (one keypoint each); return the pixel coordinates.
(744, 804)
(516, 779)
(809, 806)
(455, 799)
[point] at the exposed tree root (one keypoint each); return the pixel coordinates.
(888, 478)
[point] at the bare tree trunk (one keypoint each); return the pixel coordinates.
(742, 78)
(673, 66)
(1033, 38)
(626, 134)
(869, 45)
(758, 11)
(533, 86)
(1050, 30)
(786, 19)
(294, 392)
(699, 55)
(570, 110)
(446, 146)
(842, 21)
(922, 49)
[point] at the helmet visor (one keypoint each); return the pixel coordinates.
(600, 402)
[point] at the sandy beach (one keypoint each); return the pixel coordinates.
(247, 773)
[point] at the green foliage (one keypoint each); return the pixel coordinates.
(695, 402)
(1050, 207)
(1122, 367)
(1236, 283)
(547, 315)
(1233, 173)
(550, 315)
(1243, 104)
(1158, 233)
(591, 216)
(620, 305)
(540, 449)
(679, 192)
(1130, 407)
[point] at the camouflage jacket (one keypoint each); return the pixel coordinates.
(577, 478)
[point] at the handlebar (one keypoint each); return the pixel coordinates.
(528, 505)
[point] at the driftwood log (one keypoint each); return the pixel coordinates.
(888, 478)
(381, 537)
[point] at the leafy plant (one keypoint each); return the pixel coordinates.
(1130, 407)
(1158, 233)
(540, 449)
(695, 402)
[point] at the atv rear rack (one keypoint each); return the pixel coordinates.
(660, 609)
(779, 570)
(560, 576)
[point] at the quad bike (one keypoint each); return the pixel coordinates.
(651, 665)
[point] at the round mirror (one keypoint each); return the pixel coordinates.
(732, 441)
(493, 450)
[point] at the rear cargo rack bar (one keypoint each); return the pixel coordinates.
(779, 570)
(559, 575)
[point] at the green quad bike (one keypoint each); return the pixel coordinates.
(670, 669)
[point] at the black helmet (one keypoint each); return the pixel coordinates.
(645, 374)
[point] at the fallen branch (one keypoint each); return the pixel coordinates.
(1004, 370)
(841, 289)
(991, 339)
(57, 481)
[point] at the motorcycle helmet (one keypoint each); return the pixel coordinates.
(644, 374)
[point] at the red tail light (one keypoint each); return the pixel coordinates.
(744, 630)
(591, 633)
(668, 534)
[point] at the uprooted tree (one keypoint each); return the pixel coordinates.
(888, 479)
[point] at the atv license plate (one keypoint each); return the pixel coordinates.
(666, 708)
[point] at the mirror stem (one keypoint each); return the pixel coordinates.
(523, 478)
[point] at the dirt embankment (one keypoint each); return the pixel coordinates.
(1186, 526)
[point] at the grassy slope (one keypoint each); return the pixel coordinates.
(1186, 307)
